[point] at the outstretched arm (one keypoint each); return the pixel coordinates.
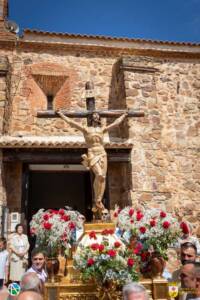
(71, 122)
(116, 122)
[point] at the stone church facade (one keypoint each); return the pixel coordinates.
(153, 160)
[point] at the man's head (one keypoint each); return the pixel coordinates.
(29, 295)
(188, 252)
(134, 291)
(2, 243)
(197, 277)
(31, 282)
(96, 119)
(187, 275)
(38, 259)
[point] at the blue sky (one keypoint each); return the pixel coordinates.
(174, 20)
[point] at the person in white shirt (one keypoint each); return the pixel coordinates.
(3, 262)
(18, 247)
(38, 264)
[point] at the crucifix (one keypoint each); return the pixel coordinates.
(96, 157)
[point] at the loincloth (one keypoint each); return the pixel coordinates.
(93, 157)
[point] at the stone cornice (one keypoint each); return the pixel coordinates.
(109, 44)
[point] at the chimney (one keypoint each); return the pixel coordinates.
(3, 9)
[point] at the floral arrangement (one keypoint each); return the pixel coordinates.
(154, 228)
(107, 260)
(54, 229)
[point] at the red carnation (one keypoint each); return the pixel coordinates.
(130, 262)
(166, 224)
(105, 232)
(61, 212)
(90, 262)
(184, 227)
(32, 231)
(115, 215)
(131, 212)
(162, 214)
(94, 246)
(112, 253)
(138, 248)
(46, 217)
(131, 221)
(139, 216)
(47, 225)
(101, 247)
(92, 235)
(117, 244)
(153, 223)
(65, 218)
(142, 229)
(144, 256)
(72, 225)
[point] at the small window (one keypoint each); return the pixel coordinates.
(49, 102)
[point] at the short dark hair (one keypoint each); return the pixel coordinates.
(37, 251)
(19, 225)
(3, 240)
(189, 245)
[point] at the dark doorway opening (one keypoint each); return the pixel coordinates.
(57, 190)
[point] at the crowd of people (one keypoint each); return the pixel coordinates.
(14, 268)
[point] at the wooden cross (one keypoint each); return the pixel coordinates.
(90, 105)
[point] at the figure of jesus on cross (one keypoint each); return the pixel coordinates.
(96, 158)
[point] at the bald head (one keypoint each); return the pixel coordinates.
(29, 295)
(31, 282)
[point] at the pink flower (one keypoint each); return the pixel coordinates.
(153, 223)
(163, 214)
(131, 212)
(47, 225)
(130, 262)
(112, 253)
(142, 229)
(90, 262)
(166, 225)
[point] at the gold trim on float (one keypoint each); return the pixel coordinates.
(98, 227)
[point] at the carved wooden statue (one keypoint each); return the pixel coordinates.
(96, 158)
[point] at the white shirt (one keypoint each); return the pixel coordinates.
(3, 263)
(42, 275)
